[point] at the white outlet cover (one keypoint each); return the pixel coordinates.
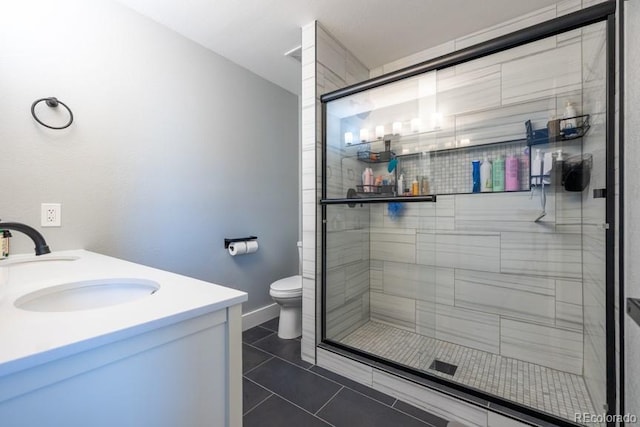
(51, 215)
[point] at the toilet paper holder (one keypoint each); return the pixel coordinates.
(227, 242)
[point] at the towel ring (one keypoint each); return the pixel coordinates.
(53, 103)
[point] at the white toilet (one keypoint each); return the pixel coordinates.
(287, 293)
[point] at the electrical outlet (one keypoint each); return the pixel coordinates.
(51, 214)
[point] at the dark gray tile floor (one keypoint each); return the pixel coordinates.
(280, 389)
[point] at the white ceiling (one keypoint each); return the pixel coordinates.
(256, 33)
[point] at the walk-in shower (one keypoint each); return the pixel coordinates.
(503, 292)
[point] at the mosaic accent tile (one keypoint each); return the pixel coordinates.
(556, 392)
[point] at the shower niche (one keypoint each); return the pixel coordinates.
(500, 294)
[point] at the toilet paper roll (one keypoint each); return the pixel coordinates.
(237, 248)
(252, 246)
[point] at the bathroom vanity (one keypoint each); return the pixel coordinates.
(90, 340)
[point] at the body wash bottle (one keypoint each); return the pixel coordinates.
(511, 174)
(486, 178)
(498, 174)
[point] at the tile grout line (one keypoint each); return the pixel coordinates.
(327, 402)
(261, 338)
(257, 366)
(258, 404)
(279, 357)
(273, 393)
(357, 391)
(392, 406)
(342, 386)
(414, 417)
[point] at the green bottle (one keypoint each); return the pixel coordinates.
(498, 174)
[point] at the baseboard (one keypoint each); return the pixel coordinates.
(260, 315)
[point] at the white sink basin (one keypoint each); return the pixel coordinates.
(86, 295)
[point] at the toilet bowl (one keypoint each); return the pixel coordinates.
(287, 293)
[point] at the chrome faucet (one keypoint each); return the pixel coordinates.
(41, 245)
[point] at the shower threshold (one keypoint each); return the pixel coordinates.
(545, 389)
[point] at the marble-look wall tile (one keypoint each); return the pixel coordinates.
(427, 221)
(345, 247)
(375, 274)
(568, 6)
(393, 245)
(568, 208)
(518, 23)
(332, 54)
(555, 348)
(445, 283)
(496, 420)
(569, 316)
(504, 123)
(426, 318)
(335, 288)
(446, 206)
(432, 52)
(468, 328)
(410, 217)
(426, 249)
(394, 311)
(459, 92)
(537, 76)
(594, 295)
(595, 361)
(308, 171)
(326, 66)
(569, 291)
(348, 368)
(412, 281)
(516, 296)
(429, 400)
(503, 212)
(508, 55)
(468, 251)
(356, 279)
(346, 318)
(542, 254)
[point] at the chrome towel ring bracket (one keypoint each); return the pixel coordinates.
(53, 103)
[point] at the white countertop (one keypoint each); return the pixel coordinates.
(29, 338)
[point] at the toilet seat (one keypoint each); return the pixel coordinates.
(289, 287)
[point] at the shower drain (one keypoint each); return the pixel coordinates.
(444, 367)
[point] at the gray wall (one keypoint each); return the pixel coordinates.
(632, 200)
(173, 147)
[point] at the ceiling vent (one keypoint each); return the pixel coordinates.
(295, 53)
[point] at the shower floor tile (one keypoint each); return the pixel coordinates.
(556, 392)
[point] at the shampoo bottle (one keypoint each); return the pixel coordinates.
(511, 179)
(367, 180)
(401, 185)
(475, 176)
(486, 179)
(498, 174)
(415, 187)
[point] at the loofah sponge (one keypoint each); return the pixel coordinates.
(395, 210)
